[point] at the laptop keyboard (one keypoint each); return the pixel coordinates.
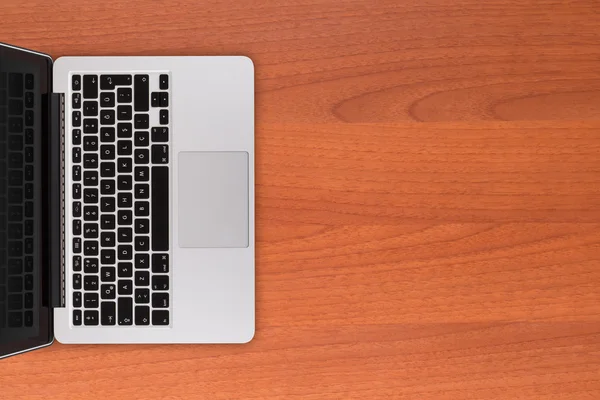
(16, 200)
(120, 191)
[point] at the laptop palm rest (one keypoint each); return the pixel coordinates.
(213, 199)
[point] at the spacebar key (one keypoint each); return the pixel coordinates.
(160, 208)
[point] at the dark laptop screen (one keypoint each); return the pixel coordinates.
(25, 312)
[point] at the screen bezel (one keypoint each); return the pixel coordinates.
(46, 332)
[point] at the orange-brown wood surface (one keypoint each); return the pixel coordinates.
(428, 199)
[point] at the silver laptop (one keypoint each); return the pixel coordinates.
(126, 200)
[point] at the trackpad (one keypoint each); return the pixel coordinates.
(213, 199)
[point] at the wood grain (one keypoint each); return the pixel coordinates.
(427, 199)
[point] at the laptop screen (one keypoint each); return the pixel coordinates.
(25, 312)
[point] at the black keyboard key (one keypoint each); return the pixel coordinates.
(76, 209)
(76, 137)
(15, 85)
(160, 209)
(90, 196)
(28, 303)
(142, 174)
(108, 257)
(15, 143)
(29, 282)
(90, 283)
(125, 287)
(15, 107)
(125, 252)
(124, 147)
(90, 108)
(107, 99)
(124, 165)
(108, 274)
(125, 201)
(155, 99)
(107, 186)
(15, 284)
(77, 245)
(108, 239)
(76, 82)
(164, 82)
(76, 227)
(124, 182)
(160, 263)
(124, 113)
(142, 226)
(77, 317)
(142, 139)
(77, 263)
(142, 208)
(142, 156)
(124, 95)
(77, 155)
(90, 125)
(29, 264)
(164, 117)
(29, 118)
(109, 82)
(15, 161)
(90, 161)
(142, 191)
(76, 118)
(29, 191)
(15, 319)
(107, 221)
(107, 134)
(90, 143)
(142, 92)
(125, 235)
(90, 300)
(142, 243)
(90, 317)
(29, 100)
(142, 278)
(77, 191)
(91, 265)
(15, 301)
(90, 178)
(28, 319)
(142, 261)
(15, 195)
(108, 291)
(160, 300)
(142, 315)
(29, 82)
(90, 231)
(108, 313)
(160, 134)
(107, 169)
(90, 86)
(90, 248)
(15, 213)
(90, 213)
(160, 317)
(142, 296)
(76, 281)
(107, 152)
(160, 154)
(125, 269)
(108, 204)
(142, 121)
(29, 173)
(77, 302)
(164, 99)
(107, 117)
(124, 130)
(125, 311)
(76, 173)
(29, 136)
(28, 154)
(76, 101)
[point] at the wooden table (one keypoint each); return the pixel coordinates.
(428, 199)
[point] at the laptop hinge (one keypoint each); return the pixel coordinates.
(57, 189)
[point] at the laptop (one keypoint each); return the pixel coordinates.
(126, 200)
